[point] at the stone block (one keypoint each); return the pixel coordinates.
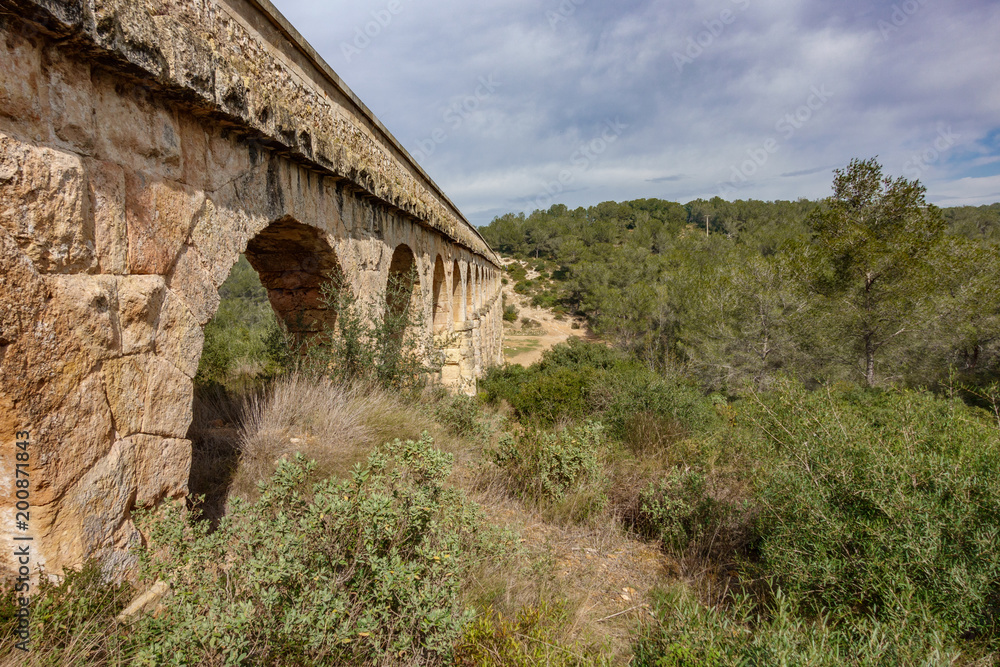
(194, 151)
(163, 466)
(227, 159)
(72, 101)
(42, 206)
(23, 89)
(220, 234)
(127, 28)
(126, 382)
(169, 400)
(140, 300)
(125, 132)
(179, 338)
(82, 314)
(106, 188)
(193, 283)
(159, 216)
(104, 496)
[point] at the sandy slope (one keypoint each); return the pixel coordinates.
(525, 350)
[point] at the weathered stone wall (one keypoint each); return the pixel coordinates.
(143, 147)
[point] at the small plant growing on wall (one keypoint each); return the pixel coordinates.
(371, 341)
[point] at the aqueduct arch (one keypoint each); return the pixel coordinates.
(294, 261)
(145, 144)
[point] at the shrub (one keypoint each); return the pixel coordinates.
(546, 398)
(544, 466)
(579, 379)
(529, 639)
(371, 342)
(326, 420)
(685, 633)
(71, 622)
(244, 339)
(359, 571)
(690, 518)
(463, 416)
(510, 313)
(547, 299)
(884, 505)
(630, 390)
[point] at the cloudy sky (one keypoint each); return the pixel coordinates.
(513, 105)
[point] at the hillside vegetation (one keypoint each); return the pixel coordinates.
(784, 452)
(870, 286)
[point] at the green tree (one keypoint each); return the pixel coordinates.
(872, 246)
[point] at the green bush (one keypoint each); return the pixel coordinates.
(685, 633)
(244, 336)
(544, 466)
(517, 272)
(546, 398)
(629, 390)
(360, 571)
(527, 640)
(510, 313)
(679, 511)
(547, 299)
(579, 379)
(71, 622)
(524, 286)
(463, 416)
(883, 505)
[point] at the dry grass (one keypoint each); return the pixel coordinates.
(240, 437)
(576, 553)
(317, 418)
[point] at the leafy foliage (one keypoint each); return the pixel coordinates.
(779, 288)
(359, 571)
(870, 258)
(541, 465)
(244, 336)
(372, 341)
(577, 379)
(881, 504)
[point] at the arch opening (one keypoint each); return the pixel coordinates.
(440, 302)
(402, 291)
(278, 279)
(470, 292)
(457, 305)
(293, 261)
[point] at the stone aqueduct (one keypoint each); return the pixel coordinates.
(145, 144)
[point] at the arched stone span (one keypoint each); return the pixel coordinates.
(439, 298)
(294, 261)
(123, 209)
(457, 294)
(470, 291)
(402, 291)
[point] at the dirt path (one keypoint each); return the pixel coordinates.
(525, 346)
